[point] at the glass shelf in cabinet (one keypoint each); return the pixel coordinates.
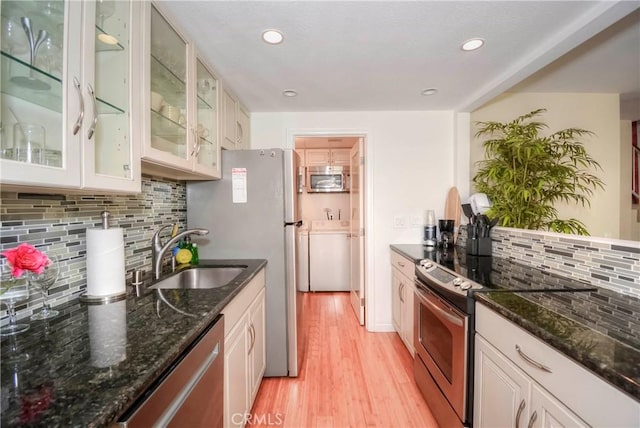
(165, 127)
(50, 96)
(31, 84)
(203, 104)
(161, 72)
(106, 42)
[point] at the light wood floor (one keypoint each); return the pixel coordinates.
(349, 377)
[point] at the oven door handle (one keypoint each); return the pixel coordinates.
(451, 318)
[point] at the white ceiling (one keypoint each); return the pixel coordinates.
(380, 55)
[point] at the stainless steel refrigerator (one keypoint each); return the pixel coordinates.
(252, 212)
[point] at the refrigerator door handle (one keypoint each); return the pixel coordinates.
(293, 223)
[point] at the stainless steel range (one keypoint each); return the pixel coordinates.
(444, 323)
(443, 330)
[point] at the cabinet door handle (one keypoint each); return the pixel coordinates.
(520, 409)
(252, 333)
(78, 124)
(531, 361)
(95, 111)
(400, 291)
(195, 143)
(534, 416)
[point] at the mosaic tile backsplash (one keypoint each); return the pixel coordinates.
(57, 225)
(612, 265)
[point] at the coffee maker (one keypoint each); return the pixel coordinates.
(446, 233)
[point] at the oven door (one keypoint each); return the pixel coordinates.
(440, 333)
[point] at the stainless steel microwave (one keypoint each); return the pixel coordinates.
(326, 179)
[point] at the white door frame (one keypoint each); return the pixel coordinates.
(369, 233)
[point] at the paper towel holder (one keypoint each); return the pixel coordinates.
(102, 300)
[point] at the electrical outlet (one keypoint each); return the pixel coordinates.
(399, 221)
(416, 221)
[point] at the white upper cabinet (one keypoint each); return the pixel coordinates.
(69, 72)
(181, 108)
(236, 123)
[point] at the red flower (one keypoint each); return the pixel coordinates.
(26, 257)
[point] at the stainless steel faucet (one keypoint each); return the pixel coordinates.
(158, 249)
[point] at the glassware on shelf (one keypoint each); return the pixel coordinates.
(12, 291)
(14, 40)
(43, 282)
(50, 58)
(28, 143)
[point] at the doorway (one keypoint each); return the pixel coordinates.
(335, 221)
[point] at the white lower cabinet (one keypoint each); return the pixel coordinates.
(402, 292)
(506, 397)
(244, 356)
(522, 382)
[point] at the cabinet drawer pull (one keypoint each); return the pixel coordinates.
(78, 124)
(401, 264)
(520, 409)
(534, 416)
(95, 111)
(531, 361)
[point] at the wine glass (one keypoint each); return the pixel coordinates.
(12, 291)
(14, 40)
(49, 56)
(43, 282)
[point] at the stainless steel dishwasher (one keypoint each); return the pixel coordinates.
(190, 392)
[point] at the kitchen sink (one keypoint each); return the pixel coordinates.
(200, 277)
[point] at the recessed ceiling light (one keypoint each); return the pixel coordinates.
(472, 44)
(273, 37)
(430, 91)
(289, 93)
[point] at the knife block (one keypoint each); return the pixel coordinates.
(477, 246)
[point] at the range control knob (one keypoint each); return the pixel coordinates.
(465, 285)
(457, 281)
(426, 264)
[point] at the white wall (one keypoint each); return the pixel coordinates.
(599, 113)
(313, 206)
(409, 162)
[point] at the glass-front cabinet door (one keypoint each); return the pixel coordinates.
(40, 62)
(207, 152)
(169, 139)
(66, 104)
(110, 155)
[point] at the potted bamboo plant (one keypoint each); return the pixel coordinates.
(525, 173)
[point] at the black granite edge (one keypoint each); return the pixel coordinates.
(140, 387)
(607, 373)
(409, 251)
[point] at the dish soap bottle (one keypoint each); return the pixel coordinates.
(195, 259)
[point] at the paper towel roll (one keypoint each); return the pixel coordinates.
(105, 262)
(108, 333)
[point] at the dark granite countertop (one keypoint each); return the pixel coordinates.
(86, 366)
(415, 252)
(615, 359)
(599, 329)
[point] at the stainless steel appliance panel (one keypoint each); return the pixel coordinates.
(440, 340)
(191, 392)
(255, 229)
